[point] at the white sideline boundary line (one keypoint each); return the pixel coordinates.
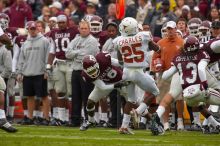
(84, 137)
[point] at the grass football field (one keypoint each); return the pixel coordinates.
(66, 136)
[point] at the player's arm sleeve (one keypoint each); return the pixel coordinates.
(15, 57)
(52, 49)
(202, 69)
(215, 46)
(7, 57)
(101, 85)
(115, 62)
(1, 31)
(154, 57)
(168, 73)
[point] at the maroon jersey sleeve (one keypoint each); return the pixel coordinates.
(187, 65)
(102, 37)
(207, 47)
(20, 40)
(11, 32)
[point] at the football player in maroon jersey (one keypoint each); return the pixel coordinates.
(191, 64)
(106, 77)
(4, 22)
(96, 28)
(60, 40)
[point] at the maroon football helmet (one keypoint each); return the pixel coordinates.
(205, 27)
(193, 26)
(90, 66)
(102, 56)
(191, 44)
(31, 24)
(4, 21)
(95, 22)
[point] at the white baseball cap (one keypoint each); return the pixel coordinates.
(171, 24)
(186, 7)
(61, 18)
(53, 19)
(56, 4)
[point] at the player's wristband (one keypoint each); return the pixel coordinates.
(48, 66)
(205, 85)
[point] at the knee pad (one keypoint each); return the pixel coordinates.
(63, 97)
(90, 105)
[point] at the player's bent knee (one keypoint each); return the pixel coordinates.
(90, 105)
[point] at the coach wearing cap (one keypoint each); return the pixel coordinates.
(32, 69)
(215, 29)
(170, 46)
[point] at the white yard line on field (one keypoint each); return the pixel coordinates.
(84, 138)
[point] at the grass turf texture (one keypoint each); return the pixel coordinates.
(65, 136)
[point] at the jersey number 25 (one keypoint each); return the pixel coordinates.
(132, 53)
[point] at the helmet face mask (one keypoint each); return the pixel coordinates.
(4, 21)
(204, 28)
(128, 26)
(93, 71)
(95, 26)
(193, 26)
(90, 66)
(96, 23)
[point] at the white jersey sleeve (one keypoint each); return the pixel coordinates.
(16, 52)
(169, 73)
(215, 46)
(202, 69)
(101, 85)
(1, 31)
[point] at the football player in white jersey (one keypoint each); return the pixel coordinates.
(132, 47)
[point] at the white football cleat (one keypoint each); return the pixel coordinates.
(180, 126)
(125, 131)
(166, 126)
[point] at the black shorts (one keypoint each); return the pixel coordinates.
(35, 86)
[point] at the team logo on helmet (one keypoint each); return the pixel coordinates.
(191, 44)
(90, 66)
(4, 21)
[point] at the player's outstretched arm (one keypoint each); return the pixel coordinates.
(115, 62)
(153, 46)
(169, 73)
(215, 46)
(101, 85)
(120, 60)
(16, 52)
(202, 69)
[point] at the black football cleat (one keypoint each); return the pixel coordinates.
(6, 126)
(86, 125)
(156, 125)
